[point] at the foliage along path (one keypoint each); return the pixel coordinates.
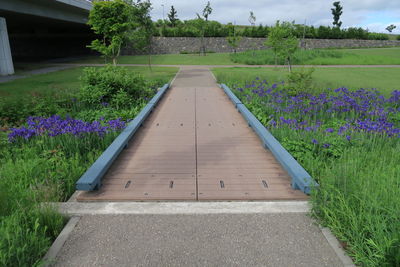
(195, 146)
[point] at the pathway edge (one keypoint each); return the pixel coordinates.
(334, 243)
(174, 208)
(51, 255)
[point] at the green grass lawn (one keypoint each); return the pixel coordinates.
(362, 56)
(68, 80)
(384, 79)
(369, 56)
(170, 59)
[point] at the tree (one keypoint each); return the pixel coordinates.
(252, 18)
(112, 20)
(172, 16)
(207, 11)
(233, 39)
(142, 37)
(283, 42)
(390, 28)
(337, 12)
(202, 24)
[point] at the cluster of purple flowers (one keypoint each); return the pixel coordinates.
(364, 110)
(55, 125)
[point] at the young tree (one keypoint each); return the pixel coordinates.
(337, 12)
(207, 11)
(112, 21)
(201, 25)
(233, 39)
(283, 42)
(252, 19)
(172, 16)
(391, 27)
(142, 36)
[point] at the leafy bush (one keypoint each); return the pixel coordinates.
(378, 36)
(113, 85)
(299, 81)
(188, 28)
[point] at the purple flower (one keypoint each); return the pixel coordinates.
(314, 141)
(54, 126)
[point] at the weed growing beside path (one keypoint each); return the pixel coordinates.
(42, 156)
(349, 142)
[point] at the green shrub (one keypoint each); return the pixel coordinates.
(299, 81)
(378, 36)
(112, 85)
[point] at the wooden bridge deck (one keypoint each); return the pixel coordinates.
(195, 146)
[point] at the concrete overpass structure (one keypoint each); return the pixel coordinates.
(32, 30)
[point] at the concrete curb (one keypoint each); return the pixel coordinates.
(334, 243)
(55, 248)
(170, 208)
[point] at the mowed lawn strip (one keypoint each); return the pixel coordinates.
(362, 56)
(169, 59)
(384, 79)
(68, 80)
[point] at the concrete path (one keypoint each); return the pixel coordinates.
(195, 233)
(197, 240)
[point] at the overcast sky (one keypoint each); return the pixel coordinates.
(372, 14)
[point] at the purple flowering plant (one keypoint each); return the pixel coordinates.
(57, 126)
(330, 120)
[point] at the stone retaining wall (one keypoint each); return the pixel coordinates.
(176, 45)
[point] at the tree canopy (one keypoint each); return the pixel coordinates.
(337, 11)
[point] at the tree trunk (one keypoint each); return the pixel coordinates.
(149, 54)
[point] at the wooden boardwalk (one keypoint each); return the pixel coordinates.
(195, 146)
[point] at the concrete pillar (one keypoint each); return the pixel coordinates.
(6, 63)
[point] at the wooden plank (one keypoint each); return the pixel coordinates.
(301, 178)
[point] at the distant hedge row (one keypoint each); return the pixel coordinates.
(192, 28)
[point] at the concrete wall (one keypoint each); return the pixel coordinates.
(176, 45)
(6, 63)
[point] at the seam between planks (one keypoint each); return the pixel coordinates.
(195, 141)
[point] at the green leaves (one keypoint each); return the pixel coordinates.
(283, 41)
(113, 20)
